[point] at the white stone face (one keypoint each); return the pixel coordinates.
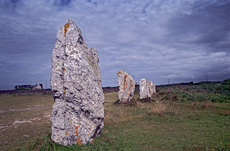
(147, 88)
(126, 86)
(78, 111)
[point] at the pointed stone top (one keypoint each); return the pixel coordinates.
(70, 23)
(143, 79)
(70, 20)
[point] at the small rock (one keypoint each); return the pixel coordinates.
(126, 86)
(147, 88)
(24, 135)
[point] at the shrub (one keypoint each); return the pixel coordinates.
(191, 98)
(22, 89)
(182, 100)
(226, 85)
(201, 98)
(166, 97)
(217, 99)
(184, 95)
(175, 97)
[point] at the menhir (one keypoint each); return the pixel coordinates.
(78, 110)
(126, 86)
(147, 88)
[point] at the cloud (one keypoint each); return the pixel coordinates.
(180, 40)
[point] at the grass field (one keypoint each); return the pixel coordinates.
(179, 117)
(23, 119)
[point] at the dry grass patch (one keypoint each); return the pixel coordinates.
(158, 108)
(117, 115)
(24, 118)
(114, 113)
(202, 105)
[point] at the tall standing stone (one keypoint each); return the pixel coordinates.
(78, 110)
(126, 86)
(147, 88)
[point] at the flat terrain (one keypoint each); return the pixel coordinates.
(23, 118)
(179, 117)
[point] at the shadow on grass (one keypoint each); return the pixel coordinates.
(104, 142)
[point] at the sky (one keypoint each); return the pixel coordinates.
(161, 40)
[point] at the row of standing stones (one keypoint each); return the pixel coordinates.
(78, 109)
(127, 87)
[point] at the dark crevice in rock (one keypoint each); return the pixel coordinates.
(80, 39)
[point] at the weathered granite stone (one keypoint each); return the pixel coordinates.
(147, 88)
(126, 86)
(78, 111)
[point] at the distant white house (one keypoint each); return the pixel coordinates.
(27, 87)
(37, 86)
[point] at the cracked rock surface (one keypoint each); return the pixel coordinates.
(147, 88)
(126, 86)
(78, 109)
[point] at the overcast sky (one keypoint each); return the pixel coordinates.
(179, 40)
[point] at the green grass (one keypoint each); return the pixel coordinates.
(178, 127)
(177, 118)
